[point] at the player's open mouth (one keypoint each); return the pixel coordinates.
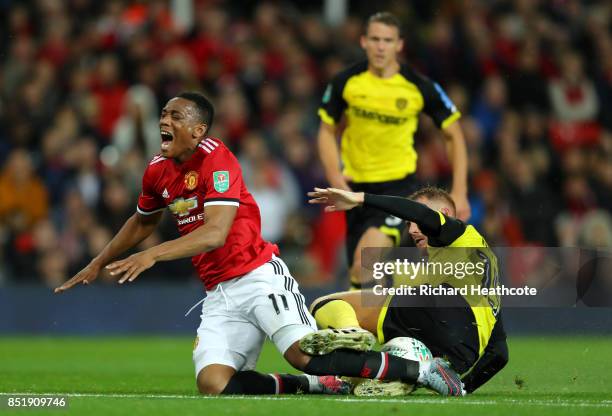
(166, 138)
(419, 241)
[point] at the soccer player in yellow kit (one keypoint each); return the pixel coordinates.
(466, 329)
(381, 100)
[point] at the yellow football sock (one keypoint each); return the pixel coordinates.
(335, 313)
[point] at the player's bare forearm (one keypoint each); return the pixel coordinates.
(330, 156)
(457, 153)
(211, 235)
(199, 241)
(135, 230)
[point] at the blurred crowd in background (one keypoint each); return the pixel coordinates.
(82, 83)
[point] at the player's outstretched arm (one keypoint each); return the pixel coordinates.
(336, 199)
(136, 228)
(457, 153)
(330, 156)
(492, 361)
(211, 235)
(339, 200)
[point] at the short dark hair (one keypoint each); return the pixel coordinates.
(386, 18)
(204, 106)
(433, 193)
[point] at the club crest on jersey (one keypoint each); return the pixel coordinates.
(327, 94)
(191, 180)
(221, 180)
(401, 103)
(181, 207)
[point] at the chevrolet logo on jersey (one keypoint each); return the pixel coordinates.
(181, 207)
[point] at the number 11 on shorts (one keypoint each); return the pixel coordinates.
(272, 297)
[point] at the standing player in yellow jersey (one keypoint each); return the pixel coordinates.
(381, 100)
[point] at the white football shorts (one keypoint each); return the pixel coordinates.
(238, 314)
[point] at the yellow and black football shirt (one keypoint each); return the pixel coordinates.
(450, 241)
(381, 119)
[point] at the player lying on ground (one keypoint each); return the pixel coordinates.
(468, 331)
(250, 292)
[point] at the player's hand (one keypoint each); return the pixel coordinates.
(130, 268)
(335, 199)
(463, 206)
(85, 276)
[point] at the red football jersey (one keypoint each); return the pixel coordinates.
(211, 177)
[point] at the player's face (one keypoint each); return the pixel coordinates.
(381, 44)
(420, 239)
(180, 128)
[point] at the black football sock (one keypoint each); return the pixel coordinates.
(252, 382)
(369, 364)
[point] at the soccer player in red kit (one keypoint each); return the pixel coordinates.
(250, 292)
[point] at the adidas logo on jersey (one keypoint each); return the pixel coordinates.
(208, 145)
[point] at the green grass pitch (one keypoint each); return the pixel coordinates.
(154, 376)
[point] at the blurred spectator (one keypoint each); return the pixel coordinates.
(83, 157)
(595, 230)
(533, 203)
(488, 109)
(575, 104)
(109, 90)
(116, 205)
(53, 267)
(573, 95)
(233, 113)
(24, 200)
(527, 85)
(271, 184)
(138, 127)
(536, 147)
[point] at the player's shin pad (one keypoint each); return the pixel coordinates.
(382, 388)
(325, 341)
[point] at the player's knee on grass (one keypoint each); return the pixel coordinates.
(334, 313)
(214, 378)
(294, 356)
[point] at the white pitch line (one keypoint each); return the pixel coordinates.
(413, 399)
